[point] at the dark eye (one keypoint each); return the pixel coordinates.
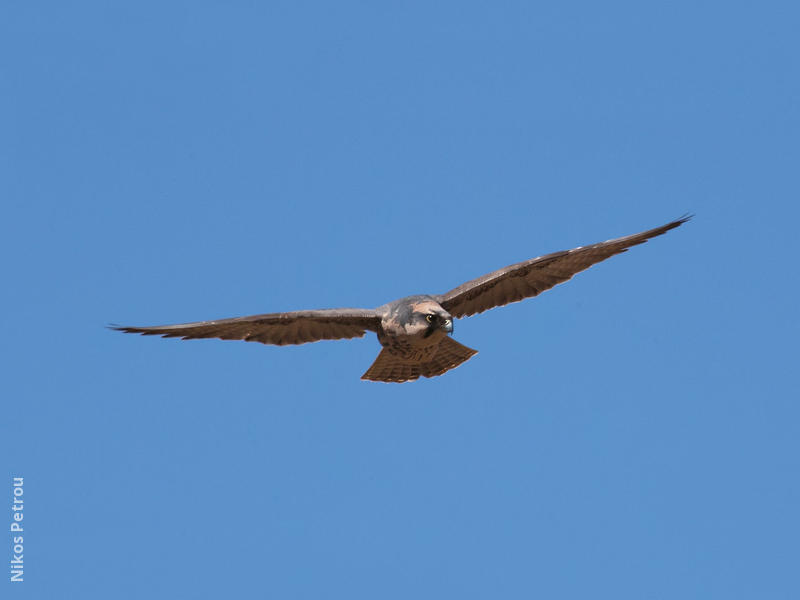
(429, 318)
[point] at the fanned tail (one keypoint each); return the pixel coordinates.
(392, 368)
(449, 355)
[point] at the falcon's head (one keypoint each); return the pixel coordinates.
(419, 317)
(428, 318)
(437, 320)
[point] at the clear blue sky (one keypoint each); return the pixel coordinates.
(634, 433)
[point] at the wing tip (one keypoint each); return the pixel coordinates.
(122, 328)
(644, 236)
(684, 218)
(139, 330)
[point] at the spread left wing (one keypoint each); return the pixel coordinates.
(277, 328)
(534, 276)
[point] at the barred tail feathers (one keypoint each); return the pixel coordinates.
(392, 368)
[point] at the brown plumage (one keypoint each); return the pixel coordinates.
(414, 330)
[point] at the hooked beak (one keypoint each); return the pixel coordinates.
(448, 325)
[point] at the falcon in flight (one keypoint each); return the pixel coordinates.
(413, 331)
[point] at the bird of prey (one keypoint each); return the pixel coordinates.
(414, 331)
